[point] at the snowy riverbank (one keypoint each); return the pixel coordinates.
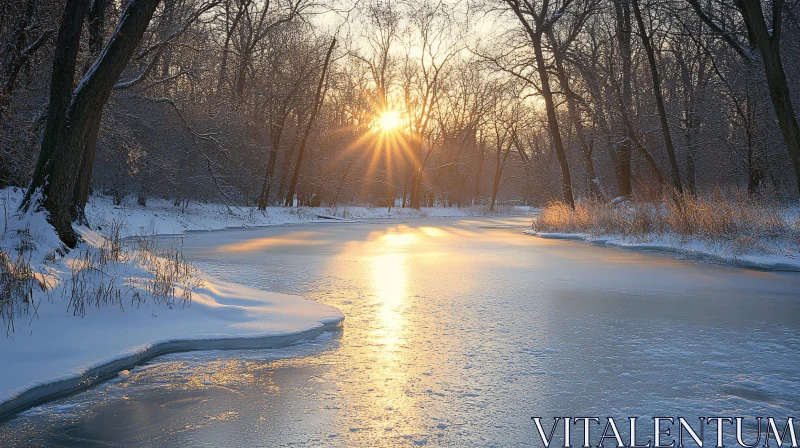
(162, 217)
(60, 353)
(754, 231)
(779, 257)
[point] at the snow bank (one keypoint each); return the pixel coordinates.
(780, 257)
(163, 217)
(61, 353)
(52, 351)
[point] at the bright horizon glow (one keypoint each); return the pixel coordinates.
(389, 121)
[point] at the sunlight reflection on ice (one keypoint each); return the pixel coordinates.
(289, 239)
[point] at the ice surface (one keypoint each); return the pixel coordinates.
(457, 332)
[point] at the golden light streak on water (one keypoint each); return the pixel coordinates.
(289, 239)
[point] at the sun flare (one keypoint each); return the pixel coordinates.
(389, 121)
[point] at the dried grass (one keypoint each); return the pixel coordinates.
(172, 278)
(17, 284)
(745, 223)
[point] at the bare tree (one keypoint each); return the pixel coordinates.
(318, 97)
(659, 96)
(766, 39)
(74, 119)
(535, 18)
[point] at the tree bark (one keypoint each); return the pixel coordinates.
(97, 21)
(18, 55)
(276, 132)
(62, 81)
(226, 47)
(276, 136)
(500, 158)
(481, 152)
(575, 116)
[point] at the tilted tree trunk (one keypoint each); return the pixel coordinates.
(286, 169)
(535, 35)
(659, 95)
(276, 136)
(62, 81)
(552, 121)
(500, 158)
(301, 150)
(768, 43)
(276, 132)
(226, 47)
(166, 22)
(575, 116)
(67, 155)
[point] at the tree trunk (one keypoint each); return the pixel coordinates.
(692, 121)
(287, 163)
(623, 158)
(662, 113)
(276, 132)
(317, 101)
(226, 47)
(17, 55)
(97, 16)
(415, 196)
(62, 81)
(481, 147)
(552, 120)
(768, 47)
(575, 117)
(600, 118)
(67, 153)
(498, 174)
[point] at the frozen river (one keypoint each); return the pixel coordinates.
(457, 332)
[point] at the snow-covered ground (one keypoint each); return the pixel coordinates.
(60, 345)
(162, 217)
(781, 255)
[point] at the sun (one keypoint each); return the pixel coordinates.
(389, 121)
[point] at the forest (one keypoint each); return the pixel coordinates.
(396, 103)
